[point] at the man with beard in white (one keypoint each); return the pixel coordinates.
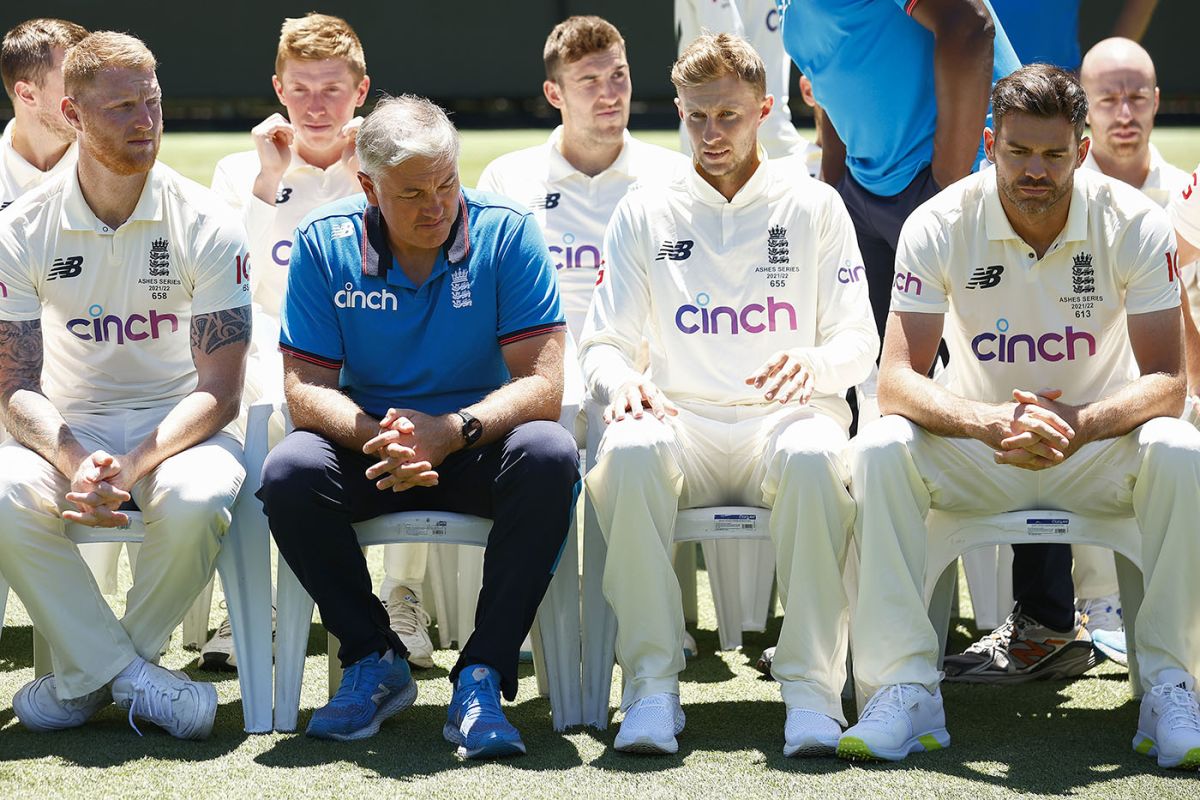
(745, 277)
(145, 348)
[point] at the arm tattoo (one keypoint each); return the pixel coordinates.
(211, 332)
(20, 356)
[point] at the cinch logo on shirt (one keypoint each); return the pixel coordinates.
(282, 244)
(357, 298)
(111, 328)
(985, 277)
(68, 267)
(1009, 348)
(751, 318)
(851, 274)
(906, 281)
(571, 257)
(676, 251)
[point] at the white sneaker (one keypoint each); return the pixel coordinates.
(1102, 613)
(810, 733)
(218, 653)
(690, 650)
(183, 708)
(411, 623)
(901, 718)
(651, 725)
(1169, 724)
(37, 705)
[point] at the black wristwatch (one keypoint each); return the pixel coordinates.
(471, 428)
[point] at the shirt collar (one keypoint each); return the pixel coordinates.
(298, 163)
(377, 253)
(77, 215)
(999, 228)
(752, 190)
(26, 174)
(1154, 177)
(558, 168)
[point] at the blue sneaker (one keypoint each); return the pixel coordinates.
(475, 722)
(1111, 644)
(373, 689)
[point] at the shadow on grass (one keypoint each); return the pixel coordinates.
(16, 648)
(410, 745)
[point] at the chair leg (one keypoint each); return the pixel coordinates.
(245, 567)
(724, 576)
(442, 568)
(334, 666)
(294, 610)
(556, 640)
(1131, 585)
(466, 587)
(939, 607)
(3, 602)
(685, 572)
(599, 626)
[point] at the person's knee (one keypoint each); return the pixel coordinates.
(883, 444)
(635, 446)
(292, 472)
(1173, 447)
(545, 454)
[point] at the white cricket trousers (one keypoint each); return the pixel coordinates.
(788, 459)
(900, 471)
(186, 506)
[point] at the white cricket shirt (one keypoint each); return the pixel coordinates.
(573, 209)
(18, 176)
(270, 229)
(1014, 321)
(717, 287)
(116, 305)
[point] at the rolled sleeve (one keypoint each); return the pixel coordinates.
(527, 286)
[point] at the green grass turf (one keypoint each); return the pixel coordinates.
(1040, 740)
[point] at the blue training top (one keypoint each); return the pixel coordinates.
(433, 348)
(871, 67)
(1042, 31)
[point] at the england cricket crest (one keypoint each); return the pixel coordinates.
(1083, 277)
(460, 288)
(160, 259)
(777, 245)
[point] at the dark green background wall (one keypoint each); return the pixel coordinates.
(482, 56)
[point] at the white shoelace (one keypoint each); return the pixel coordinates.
(888, 703)
(407, 617)
(1180, 709)
(155, 704)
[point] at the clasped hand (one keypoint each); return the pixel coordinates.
(410, 445)
(99, 486)
(1039, 434)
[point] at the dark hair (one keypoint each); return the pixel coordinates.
(26, 53)
(1043, 91)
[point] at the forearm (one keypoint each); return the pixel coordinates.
(1191, 339)
(928, 404)
(196, 418)
(962, 63)
(1134, 19)
(526, 399)
(843, 361)
(330, 413)
(266, 186)
(606, 367)
(33, 421)
(833, 151)
(1150, 396)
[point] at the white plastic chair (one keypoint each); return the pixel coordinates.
(556, 633)
(952, 535)
(718, 524)
(245, 567)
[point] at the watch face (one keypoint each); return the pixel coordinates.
(472, 428)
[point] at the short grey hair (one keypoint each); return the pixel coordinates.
(401, 128)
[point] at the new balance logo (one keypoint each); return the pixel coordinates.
(68, 267)
(380, 693)
(676, 251)
(547, 201)
(5, 204)
(341, 230)
(283, 195)
(985, 277)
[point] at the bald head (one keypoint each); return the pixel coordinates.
(1122, 93)
(1117, 55)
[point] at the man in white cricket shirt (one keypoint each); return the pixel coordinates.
(1119, 78)
(1057, 291)
(298, 163)
(746, 279)
(572, 183)
(758, 21)
(145, 350)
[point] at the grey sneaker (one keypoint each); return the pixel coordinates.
(183, 708)
(1021, 650)
(38, 707)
